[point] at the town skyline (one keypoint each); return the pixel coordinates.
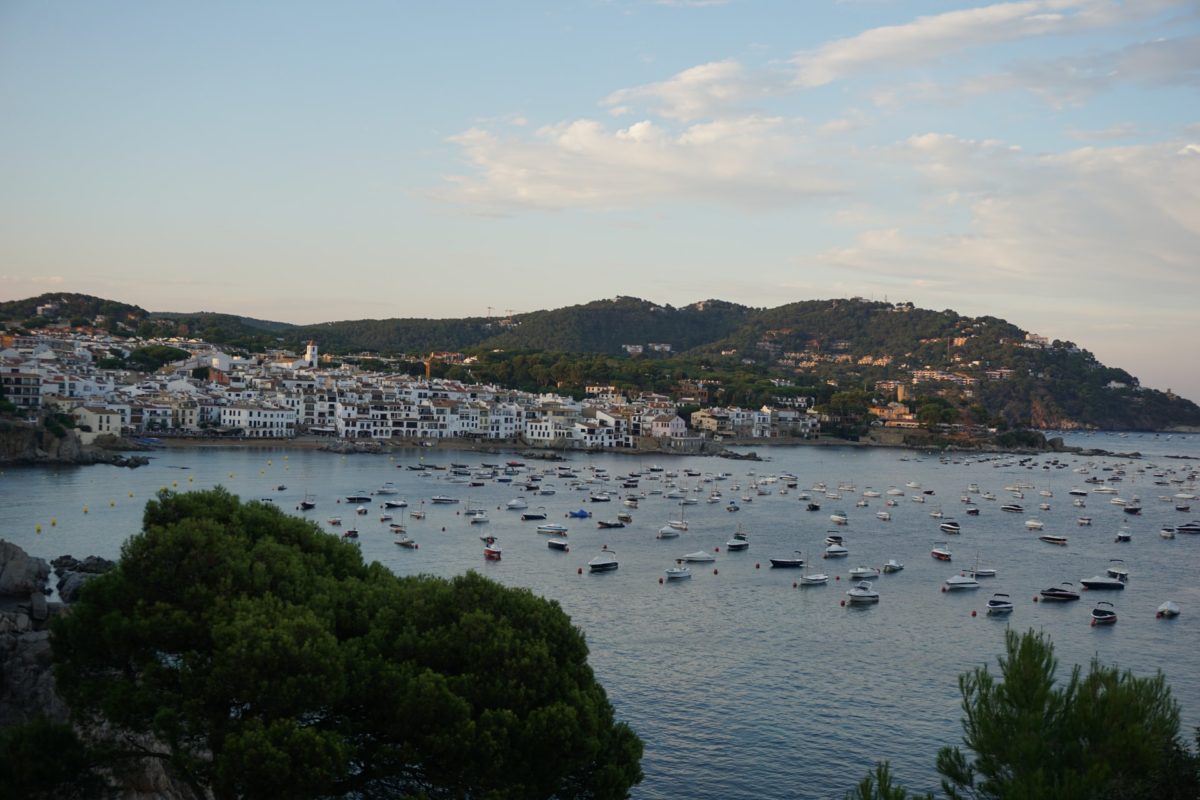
(1037, 161)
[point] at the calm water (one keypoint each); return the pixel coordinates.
(741, 685)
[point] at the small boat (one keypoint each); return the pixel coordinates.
(1104, 613)
(625, 518)
(443, 500)
(553, 528)
(787, 562)
(1064, 592)
(1189, 527)
(862, 573)
(678, 572)
(883, 516)
(491, 550)
(604, 561)
(361, 510)
(308, 503)
(1167, 532)
(1124, 535)
(1013, 508)
(732, 507)
(609, 523)
(973, 511)
(740, 541)
(836, 551)
(385, 517)
(1102, 582)
(1053, 538)
(667, 532)
(387, 488)
(358, 497)
(417, 514)
(478, 518)
(558, 544)
(580, 514)
(812, 578)
(1034, 524)
(351, 533)
(700, 557)
(1084, 520)
(863, 592)
(892, 565)
(941, 551)
(813, 507)
(406, 542)
(958, 582)
(395, 504)
(1000, 603)
(982, 572)
(839, 518)
(1117, 569)
(334, 521)
(528, 516)
(1167, 610)
(516, 504)
(949, 526)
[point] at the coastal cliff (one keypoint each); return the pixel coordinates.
(38, 443)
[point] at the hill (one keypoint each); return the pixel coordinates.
(982, 369)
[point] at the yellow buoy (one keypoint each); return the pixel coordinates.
(112, 503)
(174, 484)
(38, 528)
(190, 478)
(131, 494)
(53, 521)
(231, 474)
(85, 509)
(268, 462)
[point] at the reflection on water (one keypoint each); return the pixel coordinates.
(740, 684)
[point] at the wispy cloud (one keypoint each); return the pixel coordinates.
(704, 91)
(751, 161)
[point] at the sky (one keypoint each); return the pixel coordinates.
(1035, 160)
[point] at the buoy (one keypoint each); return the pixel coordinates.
(715, 572)
(716, 549)
(660, 580)
(231, 474)
(756, 566)
(794, 584)
(443, 529)
(579, 570)
(174, 484)
(842, 604)
(53, 522)
(416, 547)
(943, 588)
(85, 509)
(112, 503)
(131, 494)
(972, 612)
(37, 528)
(190, 479)
(1035, 599)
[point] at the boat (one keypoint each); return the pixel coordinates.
(1167, 532)
(1084, 520)
(883, 516)
(839, 518)
(358, 497)
(308, 503)
(417, 514)
(580, 514)
(788, 562)
(407, 542)
(1064, 592)
(982, 572)
(863, 592)
(973, 511)
(667, 532)
(604, 561)
(1104, 613)
(740, 541)
(836, 551)
(478, 517)
(443, 500)
(812, 578)
(624, 517)
(395, 504)
(834, 538)
(1034, 524)
(1013, 508)
(334, 521)
(1124, 535)
(529, 516)
(491, 550)
(387, 488)
(609, 523)
(813, 507)
(351, 533)
(960, 581)
(1167, 610)
(1117, 569)
(940, 551)
(1053, 538)
(860, 572)
(949, 526)
(1000, 603)
(361, 510)
(553, 528)
(700, 557)
(558, 544)
(1104, 582)
(732, 507)
(516, 504)
(678, 572)
(1189, 527)
(892, 565)
(385, 517)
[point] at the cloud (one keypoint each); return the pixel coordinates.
(1121, 130)
(1106, 226)
(691, 3)
(930, 38)
(707, 90)
(751, 162)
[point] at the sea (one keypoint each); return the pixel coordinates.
(740, 683)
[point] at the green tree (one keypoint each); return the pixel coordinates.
(1108, 734)
(270, 661)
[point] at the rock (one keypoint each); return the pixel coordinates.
(37, 608)
(70, 584)
(20, 574)
(64, 564)
(27, 688)
(95, 565)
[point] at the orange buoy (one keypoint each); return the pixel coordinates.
(972, 612)
(794, 584)
(1035, 599)
(943, 588)
(715, 571)
(660, 580)
(716, 549)
(579, 570)
(842, 604)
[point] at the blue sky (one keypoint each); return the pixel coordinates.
(1037, 160)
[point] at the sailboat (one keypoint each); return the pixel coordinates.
(681, 523)
(810, 578)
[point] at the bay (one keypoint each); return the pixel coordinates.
(740, 684)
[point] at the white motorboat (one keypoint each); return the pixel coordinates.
(863, 592)
(604, 561)
(836, 551)
(862, 573)
(387, 488)
(1000, 603)
(813, 578)
(538, 513)
(839, 518)
(1168, 610)
(1117, 569)
(491, 550)
(949, 526)
(740, 541)
(1034, 524)
(678, 572)
(883, 515)
(1105, 582)
(940, 551)
(516, 504)
(700, 557)
(892, 565)
(553, 528)
(1104, 613)
(395, 504)
(959, 582)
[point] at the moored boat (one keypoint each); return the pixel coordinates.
(1000, 603)
(1064, 592)
(1104, 613)
(604, 561)
(863, 592)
